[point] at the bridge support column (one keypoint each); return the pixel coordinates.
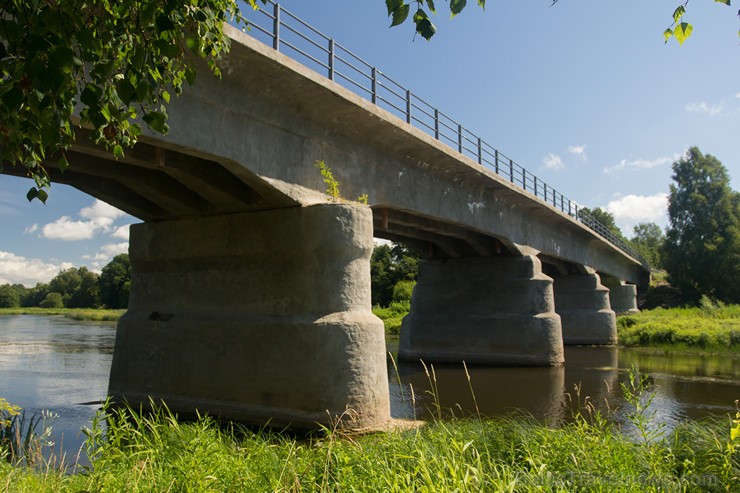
(486, 310)
(623, 297)
(262, 317)
(583, 305)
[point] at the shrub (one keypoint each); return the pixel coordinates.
(52, 300)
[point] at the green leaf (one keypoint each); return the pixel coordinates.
(126, 91)
(457, 6)
(157, 121)
(682, 32)
(432, 8)
(726, 2)
(118, 151)
(423, 25)
(63, 164)
(678, 13)
(393, 5)
(482, 4)
(667, 34)
(42, 196)
(400, 15)
(32, 194)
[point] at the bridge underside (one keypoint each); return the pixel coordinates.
(250, 295)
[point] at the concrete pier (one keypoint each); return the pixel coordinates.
(485, 310)
(262, 317)
(583, 305)
(622, 296)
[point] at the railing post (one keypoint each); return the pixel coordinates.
(480, 151)
(511, 170)
(436, 124)
(408, 106)
(276, 27)
(375, 85)
(331, 59)
(459, 138)
(495, 152)
(535, 188)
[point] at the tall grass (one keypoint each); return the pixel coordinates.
(92, 314)
(156, 452)
(393, 315)
(711, 326)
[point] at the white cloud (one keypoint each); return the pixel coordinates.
(97, 218)
(630, 210)
(121, 232)
(553, 161)
(100, 210)
(642, 163)
(16, 269)
(702, 107)
(31, 229)
(66, 229)
(106, 253)
(737, 95)
(579, 151)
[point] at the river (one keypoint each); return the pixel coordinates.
(57, 364)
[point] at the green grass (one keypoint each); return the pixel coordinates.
(94, 314)
(392, 316)
(516, 453)
(711, 327)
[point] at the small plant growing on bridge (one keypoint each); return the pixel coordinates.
(332, 185)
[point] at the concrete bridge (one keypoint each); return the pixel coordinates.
(250, 295)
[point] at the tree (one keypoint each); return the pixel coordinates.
(100, 64)
(604, 218)
(87, 294)
(388, 266)
(115, 282)
(35, 295)
(52, 300)
(648, 241)
(702, 245)
(399, 10)
(9, 297)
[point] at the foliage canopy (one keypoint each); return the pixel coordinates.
(702, 246)
(99, 64)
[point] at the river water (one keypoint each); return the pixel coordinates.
(61, 365)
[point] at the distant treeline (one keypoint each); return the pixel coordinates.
(75, 288)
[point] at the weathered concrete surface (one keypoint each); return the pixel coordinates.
(488, 310)
(583, 305)
(262, 316)
(622, 297)
(269, 119)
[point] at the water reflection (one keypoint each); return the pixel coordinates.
(685, 386)
(58, 364)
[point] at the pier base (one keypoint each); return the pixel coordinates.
(484, 310)
(623, 297)
(583, 305)
(261, 317)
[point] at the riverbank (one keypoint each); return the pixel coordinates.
(711, 328)
(92, 314)
(513, 453)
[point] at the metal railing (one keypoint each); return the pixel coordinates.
(290, 35)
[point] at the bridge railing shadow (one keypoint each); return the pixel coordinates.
(287, 33)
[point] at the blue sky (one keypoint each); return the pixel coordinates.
(585, 94)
